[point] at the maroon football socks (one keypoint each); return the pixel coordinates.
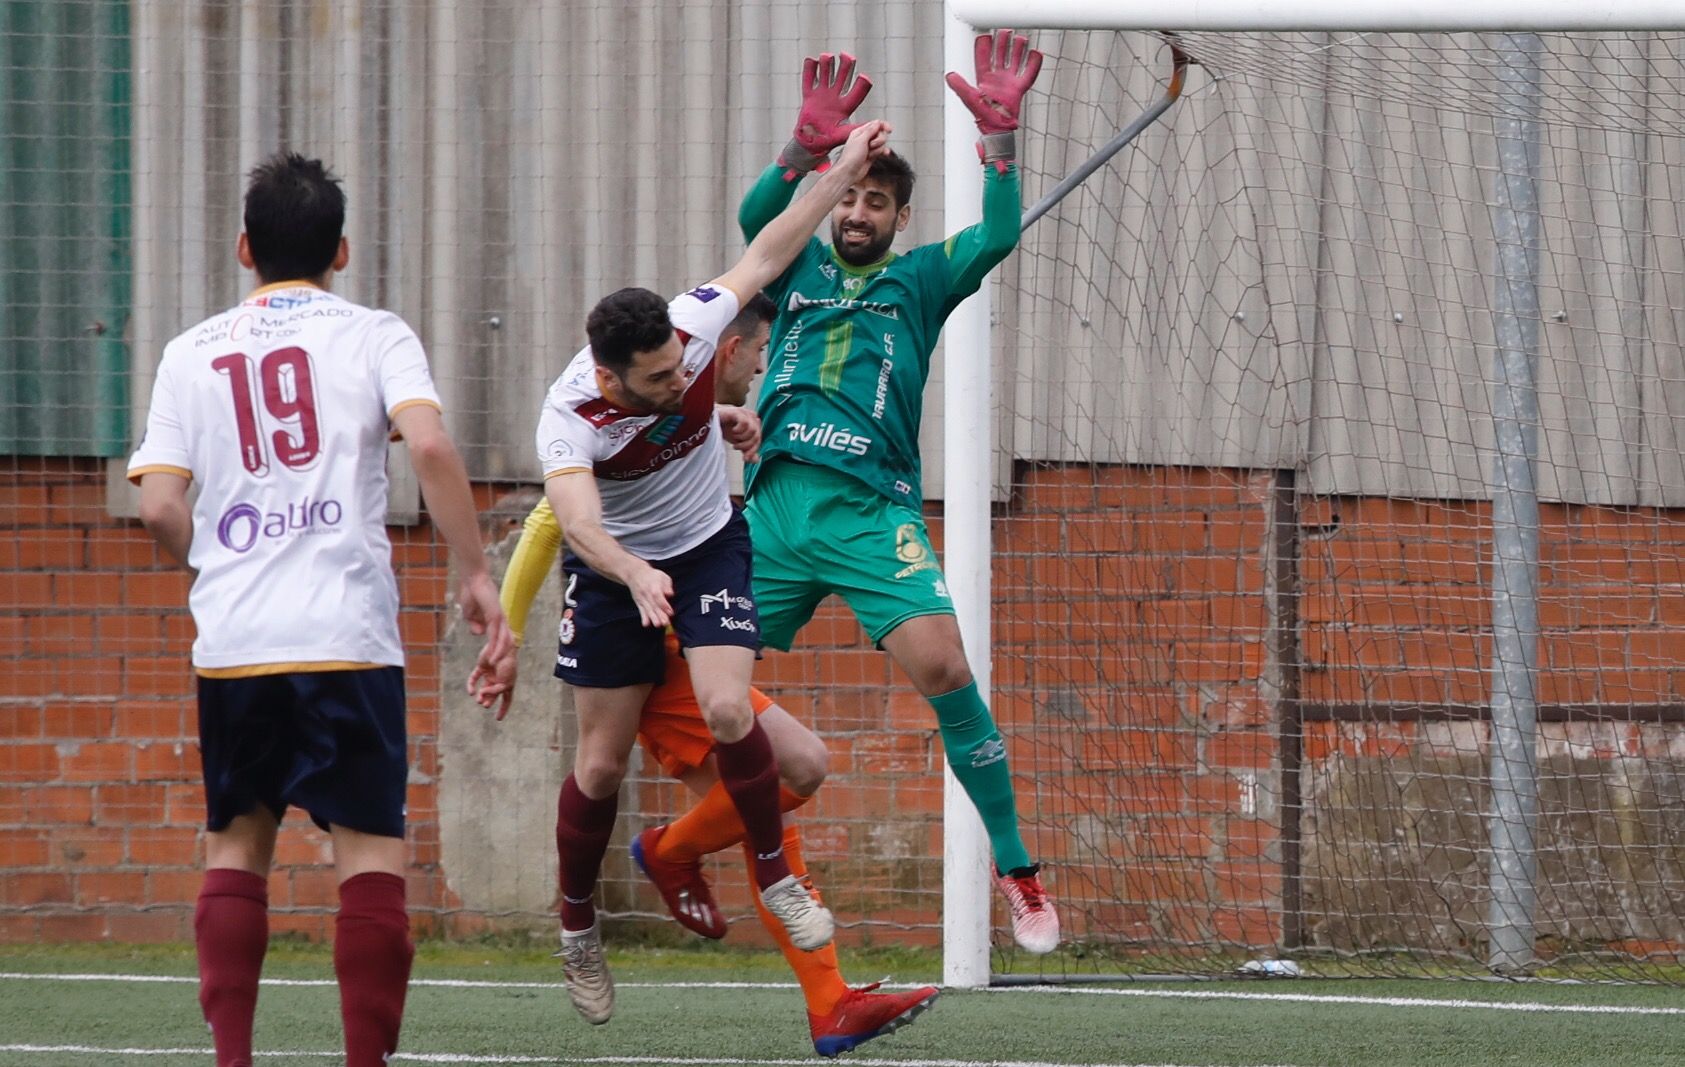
(371, 957)
(750, 775)
(583, 829)
(231, 930)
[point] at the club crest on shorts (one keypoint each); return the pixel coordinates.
(909, 549)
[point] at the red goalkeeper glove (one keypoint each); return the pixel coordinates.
(827, 102)
(1006, 68)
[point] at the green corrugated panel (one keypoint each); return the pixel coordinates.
(64, 227)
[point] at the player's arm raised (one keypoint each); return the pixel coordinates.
(830, 94)
(450, 505)
(579, 508)
(1006, 69)
(777, 245)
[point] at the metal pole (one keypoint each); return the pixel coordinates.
(1179, 61)
(1515, 511)
(967, 466)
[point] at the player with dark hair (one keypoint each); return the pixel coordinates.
(630, 439)
(280, 408)
(835, 503)
(674, 737)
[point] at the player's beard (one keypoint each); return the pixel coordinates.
(652, 405)
(862, 255)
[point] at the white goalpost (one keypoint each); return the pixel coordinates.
(1394, 353)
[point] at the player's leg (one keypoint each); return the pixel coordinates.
(608, 727)
(787, 590)
(671, 856)
(929, 649)
(237, 732)
(611, 660)
(372, 950)
(585, 811)
(838, 1018)
(878, 555)
(349, 770)
(674, 735)
(712, 823)
(231, 931)
(716, 623)
(742, 752)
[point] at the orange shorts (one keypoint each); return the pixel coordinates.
(671, 727)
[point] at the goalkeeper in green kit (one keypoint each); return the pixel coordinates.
(834, 505)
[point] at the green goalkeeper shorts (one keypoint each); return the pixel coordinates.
(818, 531)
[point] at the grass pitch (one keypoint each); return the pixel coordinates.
(75, 1006)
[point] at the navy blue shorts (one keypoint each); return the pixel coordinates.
(604, 644)
(330, 742)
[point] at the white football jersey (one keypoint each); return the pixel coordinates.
(662, 477)
(280, 409)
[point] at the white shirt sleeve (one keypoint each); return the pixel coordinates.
(164, 445)
(704, 312)
(401, 366)
(565, 440)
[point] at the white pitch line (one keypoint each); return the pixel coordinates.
(717, 1061)
(445, 983)
(606, 1061)
(1167, 994)
(1342, 998)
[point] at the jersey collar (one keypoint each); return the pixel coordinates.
(272, 287)
(870, 268)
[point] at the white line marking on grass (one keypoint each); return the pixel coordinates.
(445, 983)
(717, 1061)
(1341, 998)
(1171, 994)
(607, 1061)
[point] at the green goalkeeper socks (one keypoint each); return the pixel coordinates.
(977, 753)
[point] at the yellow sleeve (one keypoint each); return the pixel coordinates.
(535, 554)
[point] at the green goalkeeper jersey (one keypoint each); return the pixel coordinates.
(850, 350)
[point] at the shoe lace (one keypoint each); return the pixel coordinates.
(696, 883)
(1030, 893)
(583, 953)
(797, 897)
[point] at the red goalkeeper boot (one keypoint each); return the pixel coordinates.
(683, 887)
(862, 1015)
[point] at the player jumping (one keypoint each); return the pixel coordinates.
(674, 735)
(631, 445)
(834, 506)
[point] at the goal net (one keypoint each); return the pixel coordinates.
(1290, 665)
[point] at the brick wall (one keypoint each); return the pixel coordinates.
(1144, 664)
(100, 803)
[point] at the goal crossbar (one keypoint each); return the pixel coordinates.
(1436, 16)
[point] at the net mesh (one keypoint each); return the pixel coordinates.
(1243, 600)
